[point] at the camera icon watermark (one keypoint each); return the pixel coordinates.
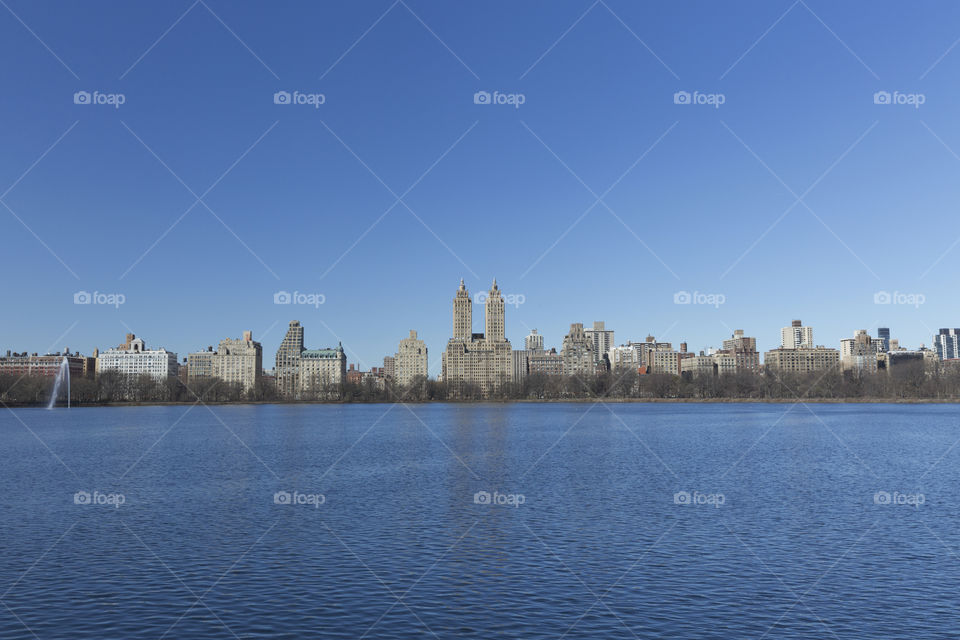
(296, 498)
(697, 297)
(697, 499)
(910, 299)
(714, 100)
(897, 98)
(95, 97)
(84, 498)
(899, 499)
(499, 499)
(297, 97)
(97, 297)
(310, 299)
(496, 97)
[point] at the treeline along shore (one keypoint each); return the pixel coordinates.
(907, 383)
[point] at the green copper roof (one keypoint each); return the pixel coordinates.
(321, 353)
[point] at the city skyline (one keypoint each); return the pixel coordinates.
(599, 339)
(818, 182)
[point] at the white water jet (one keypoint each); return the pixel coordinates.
(62, 374)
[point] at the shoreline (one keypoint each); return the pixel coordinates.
(515, 401)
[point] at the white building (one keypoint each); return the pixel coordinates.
(239, 361)
(859, 353)
(629, 355)
(411, 359)
(234, 361)
(521, 363)
(796, 336)
(602, 339)
(322, 370)
(132, 358)
(534, 341)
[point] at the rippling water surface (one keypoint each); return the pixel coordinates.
(481, 521)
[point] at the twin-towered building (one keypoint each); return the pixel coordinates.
(483, 360)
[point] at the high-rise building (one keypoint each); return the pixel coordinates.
(287, 367)
(665, 360)
(132, 358)
(628, 356)
(744, 351)
(200, 364)
(858, 353)
(715, 364)
(548, 363)
(307, 371)
(534, 341)
(389, 367)
(883, 337)
(482, 359)
(321, 370)
(802, 360)
(660, 357)
(602, 339)
(796, 336)
(947, 344)
(411, 359)
(577, 352)
(520, 364)
(462, 314)
(239, 361)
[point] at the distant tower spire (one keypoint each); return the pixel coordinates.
(462, 314)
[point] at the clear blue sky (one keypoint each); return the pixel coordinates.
(502, 185)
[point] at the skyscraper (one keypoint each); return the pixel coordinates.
(796, 336)
(602, 339)
(858, 353)
(234, 361)
(534, 341)
(462, 314)
(287, 366)
(744, 351)
(947, 344)
(481, 359)
(411, 359)
(577, 352)
(883, 336)
(239, 361)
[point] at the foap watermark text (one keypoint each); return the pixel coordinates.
(96, 97)
(898, 98)
(497, 97)
(697, 499)
(698, 297)
(899, 499)
(898, 297)
(298, 97)
(98, 498)
(499, 499)
(98, 297)
(299, 499)
(298, 297)
(711, 99)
